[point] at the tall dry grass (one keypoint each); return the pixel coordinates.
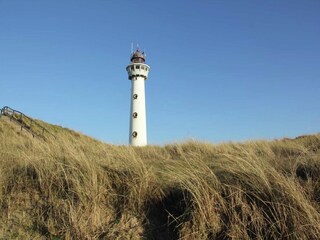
(76, 187)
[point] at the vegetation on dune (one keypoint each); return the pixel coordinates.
(75, 187)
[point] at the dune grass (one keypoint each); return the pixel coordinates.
(75, 187)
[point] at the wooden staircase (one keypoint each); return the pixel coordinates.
(27, 123)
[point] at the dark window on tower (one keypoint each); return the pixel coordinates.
(135, 96)
(138, 67)
(142, 68)
(132, 67)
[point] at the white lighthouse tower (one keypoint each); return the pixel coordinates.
(138, 72)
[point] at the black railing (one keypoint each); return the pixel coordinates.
(26, 122)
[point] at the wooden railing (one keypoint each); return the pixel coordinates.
(26, 122)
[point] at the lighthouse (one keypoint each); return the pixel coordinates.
(138, 72)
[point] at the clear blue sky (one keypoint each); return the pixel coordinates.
(220, 70)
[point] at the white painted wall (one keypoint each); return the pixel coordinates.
(138, 124)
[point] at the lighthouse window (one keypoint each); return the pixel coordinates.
(134, 134)
(135, 115)
(137, 67)
(132, 68)
(142, 68)
(135, 96)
